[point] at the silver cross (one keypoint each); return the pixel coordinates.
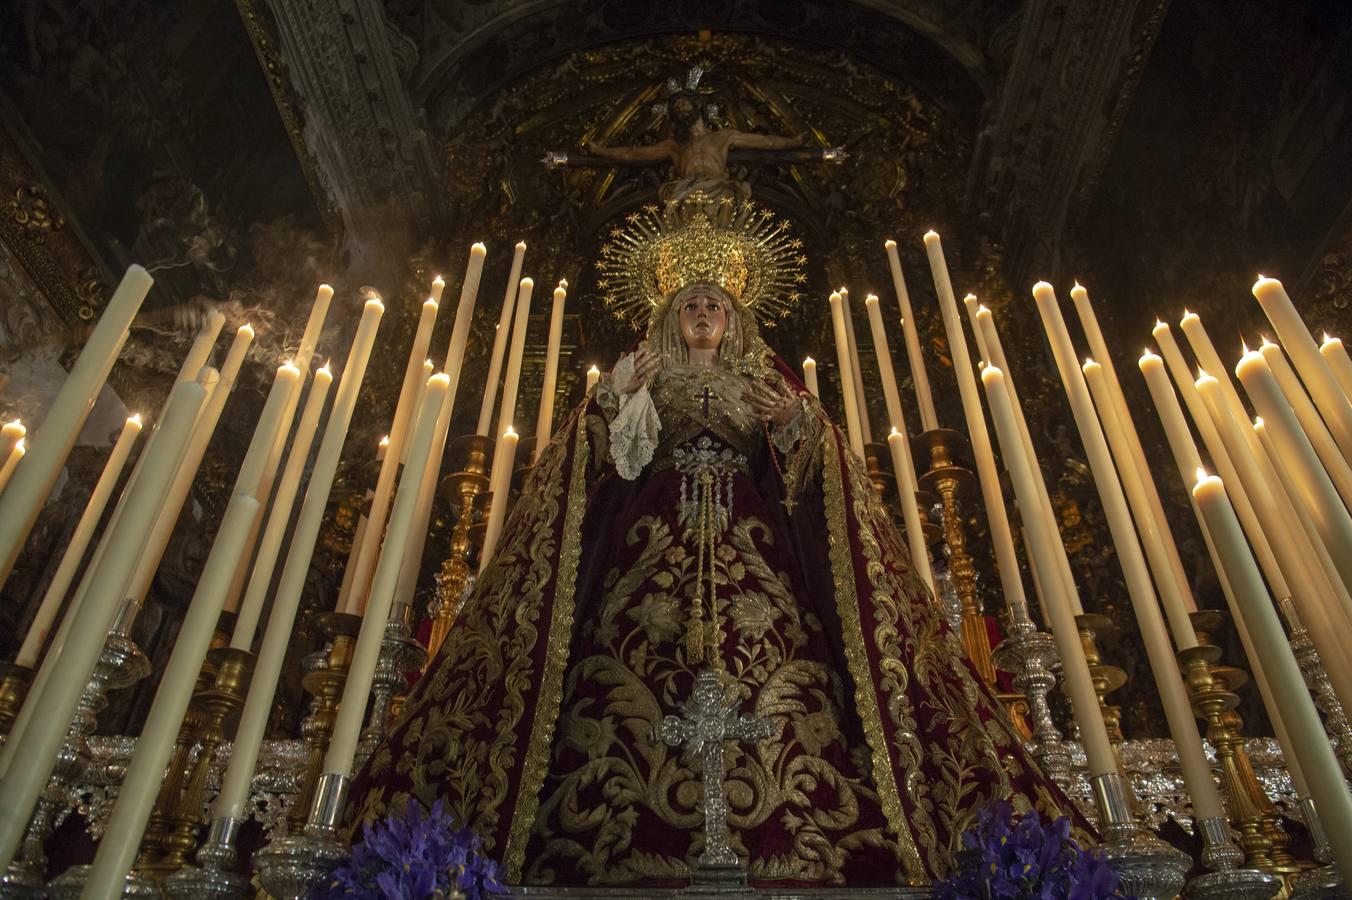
(707, 720)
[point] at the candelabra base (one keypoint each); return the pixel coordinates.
(1318, 884)
(205, 884)
(290, 867)
(21, 885)
(71, 883)
(1234, 884)
(1149, 868)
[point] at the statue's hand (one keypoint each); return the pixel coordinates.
(777, 406)
(645, 366)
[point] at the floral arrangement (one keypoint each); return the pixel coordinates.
(1025, 858)
(412, 857)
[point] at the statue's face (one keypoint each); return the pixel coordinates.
(684, 112)
(704, 319)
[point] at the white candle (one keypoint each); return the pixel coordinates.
(1002, 539)
(499, 486)
(511, 382)
(259, 471)
(1324, 388)
(1078, 684)
(455, 357)
(34, 753)
(985, 323)
(904, 470)
(140, 785)
(883, 351)
(594, 375)
(1173, 695)
(79, 542)
(928, 420)
(345, 588)
(1320, 498)
(1310, 422)
(438, 288)
(16, 453)
(415, 377)
(1215, 448)
(279, 519)
(856, 369)
(500, 343)
(253, 719)
(545, 420)
(1312, 746)
(19, 507)
(10, 435)
(1171, 591)
(809, 377)
(974, 307)
(846, 376)
(314, 326)
(1335, 355)
(1288, 540)
(416, 372)
(357, 688)
(1135, 458)
(207, 419)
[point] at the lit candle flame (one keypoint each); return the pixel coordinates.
(134, 417)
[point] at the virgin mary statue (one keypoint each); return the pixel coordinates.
(700, 514)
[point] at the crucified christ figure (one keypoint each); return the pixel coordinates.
(699, 153)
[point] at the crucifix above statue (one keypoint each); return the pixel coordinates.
(698, 150)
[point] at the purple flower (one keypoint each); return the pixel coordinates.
(1025, 858)
(411, 856)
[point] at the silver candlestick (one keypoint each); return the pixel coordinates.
(1226, 880)
(120, 665)
(1030, 655)
(399, 655)
(1149, 868)
(1317, 680)
(212, 878)
(1324, 883)
(290, 867)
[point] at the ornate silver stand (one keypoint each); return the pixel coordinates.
(707, 720)
(1226, 881)
(212, 879)
(1324, 883)
(72, 882)
(399, 655)
(1317, 680)
(1149, 868)
(1031, 655)
(291, 866)
(120, 665)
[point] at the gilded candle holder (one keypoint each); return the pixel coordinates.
(176, 775)
(121, 664)
(953, 484)
(325, 685)
(463, 490)
(877, 461)
(1093, 628)
(15, 680)
(1211, 688)
(220, 703)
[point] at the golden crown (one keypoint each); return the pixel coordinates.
(735, 245)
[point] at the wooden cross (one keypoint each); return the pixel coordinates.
(708, 719)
